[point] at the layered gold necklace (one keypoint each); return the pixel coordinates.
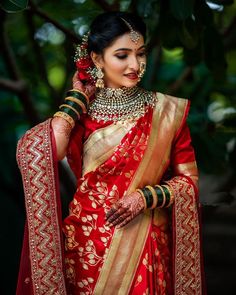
(121, 104)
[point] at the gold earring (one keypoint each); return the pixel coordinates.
(99, 75)
(142, 68)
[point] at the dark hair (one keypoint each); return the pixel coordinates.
(108, 26)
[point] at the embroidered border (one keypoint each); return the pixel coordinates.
(187, 239)
(35, 159)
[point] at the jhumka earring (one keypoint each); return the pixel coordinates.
(99, 75)
(142, 68)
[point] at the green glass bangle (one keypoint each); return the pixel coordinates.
(148, 196)
(159, 195)
(78, 95)
(167, 193)
(74, 105)
(70, 113)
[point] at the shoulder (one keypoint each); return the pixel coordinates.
(171, 109)
(180, 106)
(169, 99)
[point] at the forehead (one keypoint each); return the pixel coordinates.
(124, 41)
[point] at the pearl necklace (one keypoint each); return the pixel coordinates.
(121, 104)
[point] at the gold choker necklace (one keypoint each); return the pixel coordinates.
(121, 104)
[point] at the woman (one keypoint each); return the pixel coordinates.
(133, 223)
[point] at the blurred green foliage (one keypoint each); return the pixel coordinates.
(192, 54)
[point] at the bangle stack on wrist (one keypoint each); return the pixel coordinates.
(75, 104)
(159, 196)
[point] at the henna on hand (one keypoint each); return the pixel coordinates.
(125, 210)
(61, 126)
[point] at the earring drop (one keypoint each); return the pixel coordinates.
(99, 75)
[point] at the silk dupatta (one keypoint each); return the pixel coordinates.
(41, 268)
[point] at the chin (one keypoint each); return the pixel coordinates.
(130, 84)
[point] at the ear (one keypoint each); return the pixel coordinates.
(97, 59)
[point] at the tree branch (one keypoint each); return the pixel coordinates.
(42, 14)
(14, 86)
(173, 88)
(23, 92)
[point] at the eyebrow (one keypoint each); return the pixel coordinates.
(128, 49)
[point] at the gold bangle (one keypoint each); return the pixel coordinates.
(70, 107)
(144, 199)
(154, 195)
(66, 117)
(81, 92)
(164, 196)
(171, 195)
(79, 102)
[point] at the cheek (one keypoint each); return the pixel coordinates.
(116, 66)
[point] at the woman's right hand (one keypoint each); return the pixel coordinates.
(88, 88)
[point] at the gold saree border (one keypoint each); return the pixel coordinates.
(35, 160)
(189, 169)
(125, 258)
(99, 156)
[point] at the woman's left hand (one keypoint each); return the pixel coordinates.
(125, 210)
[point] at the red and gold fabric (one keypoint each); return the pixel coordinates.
(147, 256)
(42, 261)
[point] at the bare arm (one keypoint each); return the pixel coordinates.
(61, 128)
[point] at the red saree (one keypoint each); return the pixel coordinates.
(142, 257)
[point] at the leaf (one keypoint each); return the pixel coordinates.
(91, 280)
(94, 205)
(14, 5)
(182, 9)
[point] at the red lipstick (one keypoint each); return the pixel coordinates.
(132, 76)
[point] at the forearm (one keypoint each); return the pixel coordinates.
(74, 105)
(165, 194)
(62, 130)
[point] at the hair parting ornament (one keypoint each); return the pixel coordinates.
(134, 36)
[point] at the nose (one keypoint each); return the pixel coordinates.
(134, 63)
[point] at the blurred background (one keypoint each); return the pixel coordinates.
(192, 54)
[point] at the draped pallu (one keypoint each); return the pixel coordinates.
(41, 268)
(140, 258)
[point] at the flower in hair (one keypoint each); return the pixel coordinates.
(84, 63)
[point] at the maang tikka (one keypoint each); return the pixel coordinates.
(134, 35)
